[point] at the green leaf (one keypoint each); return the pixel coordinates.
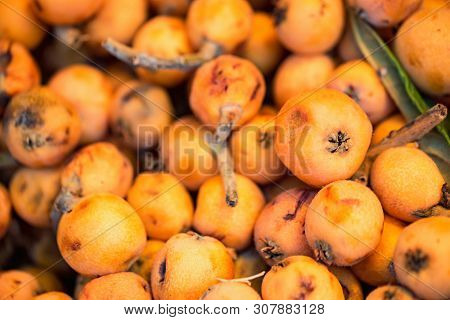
(393, 75)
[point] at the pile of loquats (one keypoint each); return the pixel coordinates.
(219, 150)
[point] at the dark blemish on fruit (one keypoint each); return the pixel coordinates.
(323, 7)
(23, 186)
(339, 142)
(37, 198)
(127, 96)
(75, 246)
(389, 295)
(352, 93)
(279, 15)
(445, 201)
(323, 252)
(236, 65)
(162, 271)
(38, 5)
(391, 269)
(306, 287)
(17, 282)
(266, 139)
(271, 250)
(255, 90)
(302, 198)
(28, 119)
(416, 260)
(350, 202)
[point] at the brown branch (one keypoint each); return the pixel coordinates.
(71, 36)
(141, 59)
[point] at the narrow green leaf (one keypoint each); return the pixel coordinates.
(393, 75)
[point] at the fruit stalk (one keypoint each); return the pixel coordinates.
(140, 59)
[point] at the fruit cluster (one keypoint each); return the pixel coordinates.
(211, 149)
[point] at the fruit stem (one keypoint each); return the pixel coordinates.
(244, 280)
(71, 36)
(229, 115)
(410, 132)
(136, 58)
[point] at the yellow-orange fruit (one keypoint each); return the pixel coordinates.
(225, 23)
(167, 38)
(47, 279)
(40, 128)
(19, 23)
(170, 7)
(5, 211)
(163, 204)
(350, 284)
(433, 4)
(117, 19)
(33, 192)
(98, 167)
(117, 286)
(53, 295)
(143, 265)
(90, 92)
(344, 223)
(253, 150)
(57, 12)
(188, 265)
(230, 290)
(390, 292)
(139, 113)
(18, 70)
(309, 26)
(360, 81)
(231, 225)
(322, 136)
(421, 258)
(300, 73)
(394, 177)
(430, 29)
(262, 46)
(385, 13)
(248, 263)
(186, 153)
(279, 230)
(300, 278)
(226, 80)
(376, 269)
(347, 47)
(385, 127)
(102, 234)
(17, 285)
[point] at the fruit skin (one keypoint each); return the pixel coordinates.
(19, 72)
(421, 258)
(139, 113)
(65, 12)
(40, 128)
(230, 291)
(360, 81)
(143, 265)
(101, 235)
(231, 225)
(322, 136)
(188, 265)
(186, 153)
(33, 192)
(20, 25)
(164, 205)
(17, 285)
(225, 23)
(117, 286)
(163, 37)
(309, 26)
(300, 278)
(385, 13)
(226, 80)
(343, 223)
(385, 127)
(279, 229)
(376, 268)
(262, 46)
(350, 284)
(394, 177)
(428, 69)
(117, 19)
(253, 150)
(53, 295)
(5, 211)
(90, 92)
(300, 73)
(390, 292)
